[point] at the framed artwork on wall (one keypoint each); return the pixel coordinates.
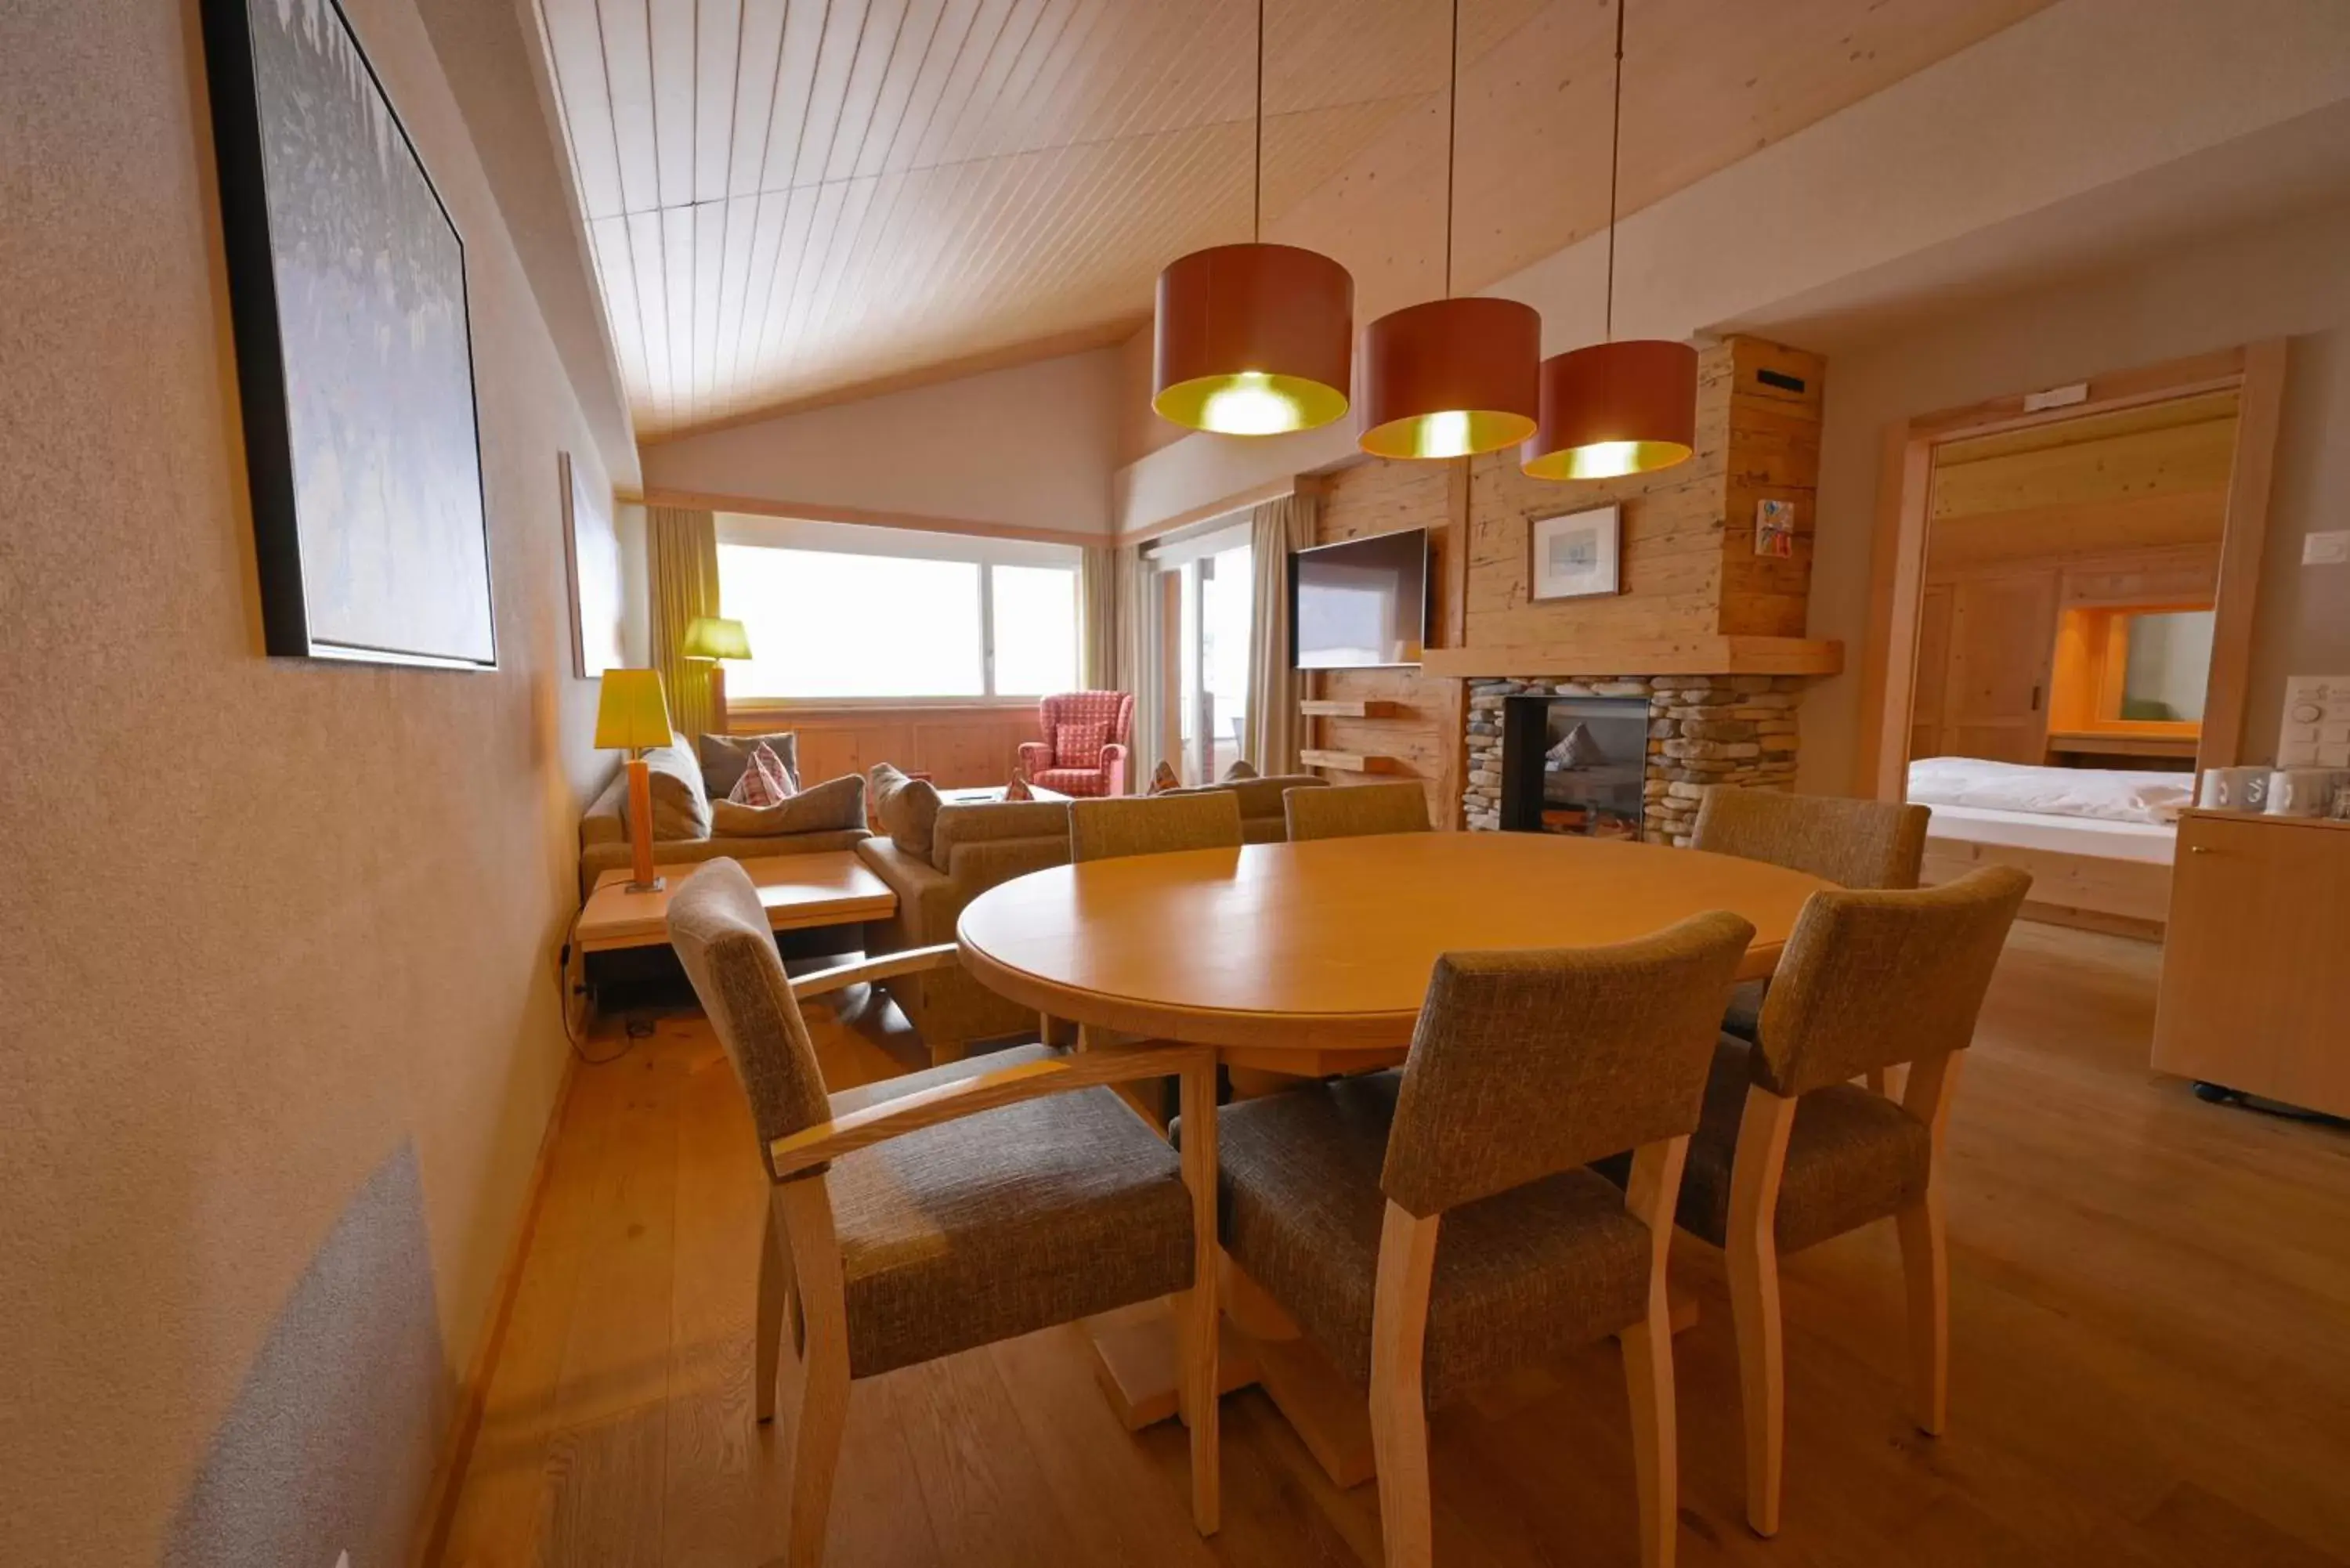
(354, 350)
(591, 557)
(1575, 555)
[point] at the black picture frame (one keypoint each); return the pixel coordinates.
(419, 558)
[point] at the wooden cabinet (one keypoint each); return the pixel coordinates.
(2255, 990)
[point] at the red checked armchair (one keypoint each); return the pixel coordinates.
(1084, 751)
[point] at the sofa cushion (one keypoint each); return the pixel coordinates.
(908, 809)
(723, 757)
(1079, 745)
(680, 807)
(763, 783)
(980, 822)
(834, 806)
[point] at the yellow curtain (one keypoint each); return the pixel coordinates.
(682, 547)
(1097, 598)
(1281, 528)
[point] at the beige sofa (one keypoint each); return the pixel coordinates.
(1264, 819)
(974, 846)
(686, 829)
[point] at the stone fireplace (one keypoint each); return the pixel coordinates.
(1699, 730)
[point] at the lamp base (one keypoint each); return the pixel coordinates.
(657, 884)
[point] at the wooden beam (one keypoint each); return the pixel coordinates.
(1693, 655)
(2239, 554)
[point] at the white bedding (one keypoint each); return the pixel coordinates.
(2110, 795)
(2152, 843)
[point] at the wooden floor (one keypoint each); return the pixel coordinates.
(2151, 1358)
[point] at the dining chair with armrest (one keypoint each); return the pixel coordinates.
(1434, 1226)
(1852, 843)
(950, 1208)
(1790, 1152)
(1355, 810)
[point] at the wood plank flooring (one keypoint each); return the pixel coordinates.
(2150, 1310)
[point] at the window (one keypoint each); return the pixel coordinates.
(843, 612)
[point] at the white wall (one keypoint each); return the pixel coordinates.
(2289, 278)
(2086, 95)
(1030, 447)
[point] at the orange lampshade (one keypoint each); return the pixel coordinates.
(1253, 339)
(1614, 408)
(1450, 377)
(630, 713)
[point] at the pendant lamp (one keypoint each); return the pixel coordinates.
(1253, 339)
(1450, 377)
(1614, 408)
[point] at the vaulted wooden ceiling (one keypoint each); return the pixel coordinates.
(791, 199)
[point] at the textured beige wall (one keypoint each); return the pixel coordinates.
(262, 923)
(2282, 279)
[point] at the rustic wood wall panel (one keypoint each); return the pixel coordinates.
(1423, 730)
(956, 746)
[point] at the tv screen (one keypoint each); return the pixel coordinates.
(1360, 603)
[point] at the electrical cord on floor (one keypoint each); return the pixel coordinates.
(564, 991)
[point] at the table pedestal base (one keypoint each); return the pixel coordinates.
(1135, 1363)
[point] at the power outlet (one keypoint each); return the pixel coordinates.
(2331, 550)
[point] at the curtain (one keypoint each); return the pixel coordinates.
(1136, 594)
(682, 547)
(1278, 528)
(1097, 618)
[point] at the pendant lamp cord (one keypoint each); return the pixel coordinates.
(1451, 142)
(1614, 166)
(1256, 195)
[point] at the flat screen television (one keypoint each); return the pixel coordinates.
(1360, 603)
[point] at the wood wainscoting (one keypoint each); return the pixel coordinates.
(958, 744)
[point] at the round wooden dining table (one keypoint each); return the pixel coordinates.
(1313, 958)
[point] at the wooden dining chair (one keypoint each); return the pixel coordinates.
(1852, 843)
(1790, 1152)
(1153, 825)
(1355, 810)
(948, 1209)
(1435, 1226)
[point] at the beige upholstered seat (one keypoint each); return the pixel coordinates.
(1790, 1152)
(1433, 1227)
(974, 1203)
(1852, 843)
(1153, 825)
(1355, 810)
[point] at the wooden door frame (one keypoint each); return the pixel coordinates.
(1897, 545)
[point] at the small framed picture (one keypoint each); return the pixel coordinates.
(1774, 528)
(1576, 556)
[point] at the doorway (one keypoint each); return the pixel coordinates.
(2073, 587)
(1209, 597)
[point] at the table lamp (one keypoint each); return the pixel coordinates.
(715, 638)
(632, 716)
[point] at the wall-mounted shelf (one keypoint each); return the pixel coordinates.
(1350, 761)
(1336, 708)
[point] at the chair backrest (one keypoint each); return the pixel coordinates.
(1355, 810)
(1153, 824)
(1852, 843)
(1527, 1063)
(1114, 709)
(1869, 979)
(720, 933)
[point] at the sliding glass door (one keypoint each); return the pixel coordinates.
(1206, 678)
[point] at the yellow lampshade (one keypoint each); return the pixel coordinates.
(715, 636)
(632, 713)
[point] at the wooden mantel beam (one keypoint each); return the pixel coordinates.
(1691, 655)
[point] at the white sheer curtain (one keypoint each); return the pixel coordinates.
(1136, 621)
(1278, 528)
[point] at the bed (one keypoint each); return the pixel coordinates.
(2098, 842)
